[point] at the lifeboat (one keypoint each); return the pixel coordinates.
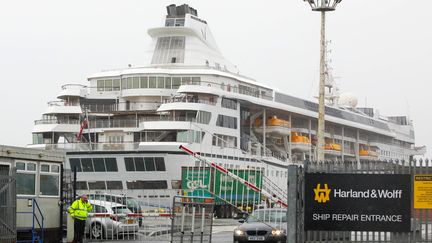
(274, 126)
(366, 152)
(300, 142)
(333, 146)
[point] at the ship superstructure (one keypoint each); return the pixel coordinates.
(189, 94)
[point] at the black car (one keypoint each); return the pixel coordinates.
(263, 225)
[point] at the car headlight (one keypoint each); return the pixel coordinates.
(277, 232)
(238, 232)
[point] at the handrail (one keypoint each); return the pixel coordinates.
(35, 237)
(43, 218)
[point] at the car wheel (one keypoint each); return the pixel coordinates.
(96, 231)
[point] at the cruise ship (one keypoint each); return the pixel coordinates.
(123, 128)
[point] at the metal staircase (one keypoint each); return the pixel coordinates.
(37, 230)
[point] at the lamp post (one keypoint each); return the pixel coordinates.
(322, 6)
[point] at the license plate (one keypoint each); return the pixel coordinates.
(256, 238)
(129, 221)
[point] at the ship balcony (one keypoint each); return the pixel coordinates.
(53, 125)
(186, 105)
(63, 107)
(138, 92)
(122, 107)
(125, 146)
(113, 123)
(71, 90)
(216, 88)
(166, 123)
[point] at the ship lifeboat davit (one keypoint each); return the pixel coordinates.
(300, 142)
(274, 126)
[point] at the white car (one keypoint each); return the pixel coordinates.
(109, 219)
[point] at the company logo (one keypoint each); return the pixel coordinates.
(322, 195)
(196, 185)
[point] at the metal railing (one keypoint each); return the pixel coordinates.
(55, 121)
(8, 206)
(37, 235)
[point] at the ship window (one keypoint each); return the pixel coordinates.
(147, 185)
(173, 60)
(229, 103)
(129, 164)
(100, 85)
(97, 185)
(167, 83)
(124, 83)
(169, 22)
(204, 117)
(108, 85)
(186, 80)
(160, 82)
(176, 82)
(129, 83)
(149, 164)
(111, 164)
(196, 80)
(136, 83)
(75, 163)
(152, 82)
(160, 164)
(114, 185)
(139, 164)
(87, 165)
(81, 185)
(116, 84)
(99, 165)
(227, 121)
(144, 82)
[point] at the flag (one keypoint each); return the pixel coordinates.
(83, 125)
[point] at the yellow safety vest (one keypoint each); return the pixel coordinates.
(80, 209)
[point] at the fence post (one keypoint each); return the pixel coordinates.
(292, 204)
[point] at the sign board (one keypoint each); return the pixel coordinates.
(205, 182)
(423, 191)
(357, 202)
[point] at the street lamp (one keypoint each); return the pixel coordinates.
(322, 6)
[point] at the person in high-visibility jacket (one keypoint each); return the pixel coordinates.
(79, 211)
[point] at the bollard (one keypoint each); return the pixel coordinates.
(70, 228)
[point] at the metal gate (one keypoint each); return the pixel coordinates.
(421, 219)
(192, 219)
(7, 204)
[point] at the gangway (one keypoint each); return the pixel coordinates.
(270, 191)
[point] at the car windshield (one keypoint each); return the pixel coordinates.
(268, 216)
(121, 210)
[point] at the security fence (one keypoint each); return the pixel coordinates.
(117, 216)
(7, 204)
(192, 219)
(312, 188)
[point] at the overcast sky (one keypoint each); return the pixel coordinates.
(381, 50)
